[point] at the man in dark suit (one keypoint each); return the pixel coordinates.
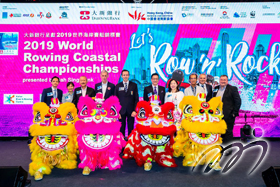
(154, 89)
(127, 93)
(105, 87)
(207, 88)
(82, 91)
(231, 105)
(52, 92)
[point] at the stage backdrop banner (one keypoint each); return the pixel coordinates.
(39, 41)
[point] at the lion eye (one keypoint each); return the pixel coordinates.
(142, 113)
(169, 115)
(218, 112)
(38, 117)
(69, 117)
(188, 109)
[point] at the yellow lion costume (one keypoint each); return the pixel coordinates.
(200, 129)
(54, 138)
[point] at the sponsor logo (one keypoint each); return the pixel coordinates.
(48, 15)
(41, 15)
(137, 16)
(31, 15)
(15, 15)
(236, 15)
(160, 16)
(7, 8)
(207, 14)
(187, 8)
(207, 7)
(64, 8)
(4, 15)
(63, 15)
(106, 15)
(265, 7)
(187, 15)
(86, 7)
(84, 15)
(10, 99)
(268, 14)
(224, 7)
(225, 16)
(252, 14)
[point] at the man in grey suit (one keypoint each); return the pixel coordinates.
(194, 89)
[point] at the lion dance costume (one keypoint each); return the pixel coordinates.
(153, 137)
(54, 138)
(99, 137)
(200, 129)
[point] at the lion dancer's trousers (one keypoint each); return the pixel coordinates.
(106, 158)
(44, 161)
(143, 152)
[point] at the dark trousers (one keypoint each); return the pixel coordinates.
(127, 119)
(228, 136)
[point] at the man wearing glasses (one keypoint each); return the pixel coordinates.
(154, 89)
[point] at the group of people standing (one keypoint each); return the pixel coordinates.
(127, 92)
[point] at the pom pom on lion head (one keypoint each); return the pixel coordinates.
(202, 116)
(57, 119)
(98, 117)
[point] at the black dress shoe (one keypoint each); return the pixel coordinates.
(228, 153)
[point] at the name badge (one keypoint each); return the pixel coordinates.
(215, 90)
(169, 95)
(121, 88)
(79, 92)
(150, 94)
(99, 87)
(50, 94)
(67, 97)
(131, 92)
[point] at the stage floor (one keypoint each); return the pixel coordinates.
(16, 153)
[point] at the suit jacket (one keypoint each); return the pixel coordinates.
(188, 91)
(110, 90)
(129, 99)
(148, 91)
(231, 101)
(47, 95)
(209, 92)
(78, 93)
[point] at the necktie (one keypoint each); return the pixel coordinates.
(155, 90)
(125, 87)
(194, 91)
(54, 93)
(202, 86)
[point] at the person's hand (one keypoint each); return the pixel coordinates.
(133, 114)
(120, 117)
(233, 115)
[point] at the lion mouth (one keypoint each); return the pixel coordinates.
(52, 142)
(204, 138)
(97, 141)
(154, 139)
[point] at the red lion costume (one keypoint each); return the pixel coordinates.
(153, 137)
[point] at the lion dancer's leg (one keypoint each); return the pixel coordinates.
(214, 156)
(68, 156)
(164, 155)
(115, 161)
(38, 167)
(145, 156)
(130, 148)
(88, 158)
